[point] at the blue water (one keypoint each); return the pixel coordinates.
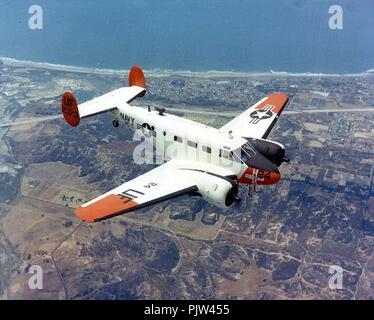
(258, 35)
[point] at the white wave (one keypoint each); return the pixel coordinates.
(165, 72)
(320, 74)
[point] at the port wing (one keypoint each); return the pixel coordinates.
(258, 120)
(162, 183)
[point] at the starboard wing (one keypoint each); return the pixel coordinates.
(258, 120)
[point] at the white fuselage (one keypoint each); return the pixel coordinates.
(183, 139)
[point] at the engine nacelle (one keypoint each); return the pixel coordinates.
(273, 151)
(219, 191)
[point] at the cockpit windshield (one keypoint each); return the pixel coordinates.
(247, 152)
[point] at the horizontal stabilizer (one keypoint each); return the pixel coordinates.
(74, 112)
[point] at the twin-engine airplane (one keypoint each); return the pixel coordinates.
(199, 160)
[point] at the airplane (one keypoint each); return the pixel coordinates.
(198, 160)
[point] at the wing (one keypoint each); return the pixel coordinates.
(73, 112)
(109, 101)
(162, 183)
(258, 120)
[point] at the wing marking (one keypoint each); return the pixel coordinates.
(258, 120)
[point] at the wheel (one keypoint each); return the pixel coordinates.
(115, 123)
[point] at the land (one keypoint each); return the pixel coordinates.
(277, 244)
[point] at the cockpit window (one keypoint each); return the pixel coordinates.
(226, 154)
(243, 154)
(247, 152)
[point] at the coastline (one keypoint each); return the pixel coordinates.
(185, 73)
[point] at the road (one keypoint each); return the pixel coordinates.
(32, 120)
(290, 112)
(54, 261)
(199, 111)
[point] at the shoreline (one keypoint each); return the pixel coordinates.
(164, 73)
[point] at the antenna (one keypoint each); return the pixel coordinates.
(160, 110)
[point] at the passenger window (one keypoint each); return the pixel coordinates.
(206, 149)
(178, 139)
(226, 154)
(192, 144)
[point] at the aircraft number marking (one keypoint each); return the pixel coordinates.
(151, 184)
(131, 194)
(260, 176)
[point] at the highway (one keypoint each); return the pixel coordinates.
(290, 112)
(31, 120)
(231, 114)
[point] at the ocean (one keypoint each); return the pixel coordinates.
(222, 35)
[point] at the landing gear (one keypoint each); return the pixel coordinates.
(251, 190)
(252, 187)
(237, 199)
(115, 123)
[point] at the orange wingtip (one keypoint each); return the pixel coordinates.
(136, 78)
(69, 108)
(277, 100)
(105, 208)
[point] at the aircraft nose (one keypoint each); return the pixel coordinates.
(274, 177)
